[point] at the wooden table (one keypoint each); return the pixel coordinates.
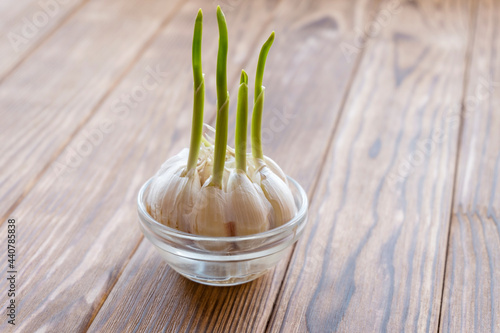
(387, 113)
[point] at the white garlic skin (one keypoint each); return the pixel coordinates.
(245, 204)
(172, 194)
(209, 216)
(278, 194)
(248, 208)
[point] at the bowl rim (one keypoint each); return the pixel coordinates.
(163, 229)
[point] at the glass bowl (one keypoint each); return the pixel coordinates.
(224, 261)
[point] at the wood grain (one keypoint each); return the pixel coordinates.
(151, 297)
(372, 258)
(25, 24)
(86, 223)
(45, 101)
(471, 299)
(362, 107)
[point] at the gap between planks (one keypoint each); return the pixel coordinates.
(470, 46)
(91, 114)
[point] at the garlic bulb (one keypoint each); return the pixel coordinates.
(211, 189)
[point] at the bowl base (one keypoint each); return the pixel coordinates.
(226, 282)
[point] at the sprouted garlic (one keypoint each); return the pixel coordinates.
(211, 189)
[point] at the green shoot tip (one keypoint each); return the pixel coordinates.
(244, 77)
(219, 12)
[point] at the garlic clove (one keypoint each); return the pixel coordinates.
(247, 207)
(187, 197)
(275, 168)
(174, 162)
(209, 212)
(164, 188)
(163, 197)
(172, 193)
(279, 196)
(256, 164)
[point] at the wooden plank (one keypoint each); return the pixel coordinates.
(372, 258)
(471, 301)
(149, 296)
(77, 231)
(10, 11)
(25, 24)
(49, 97)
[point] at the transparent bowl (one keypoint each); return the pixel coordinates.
(224, 261)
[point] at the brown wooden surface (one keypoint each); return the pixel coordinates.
(388, 247)
(248, 307)
(26, 24)
(471, 300)
(374, 252)
(97, 49)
